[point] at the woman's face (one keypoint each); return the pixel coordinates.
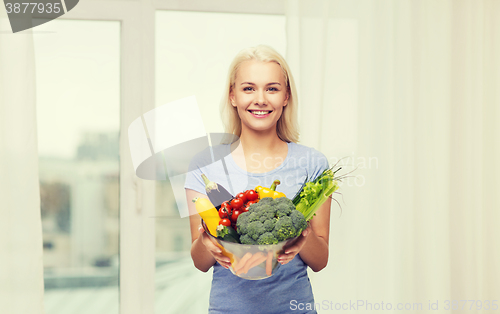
(259, 94)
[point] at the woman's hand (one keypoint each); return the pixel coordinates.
(213, 249)
(294, 249)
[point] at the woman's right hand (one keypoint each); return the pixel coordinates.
(213, 249)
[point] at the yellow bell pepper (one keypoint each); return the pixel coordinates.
(209, 214)
(269, 192)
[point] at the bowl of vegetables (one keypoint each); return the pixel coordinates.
(263, 232)
(255, 226)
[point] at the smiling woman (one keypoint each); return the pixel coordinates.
(260, 108)
(192, 58)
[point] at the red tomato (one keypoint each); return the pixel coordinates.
(251, 195)
(226, 204)
(234, 216)
(236, 203)
(225, 222)
(242, 196)
(224, 212)
(244, 209)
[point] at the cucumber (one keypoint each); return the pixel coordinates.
(227, 234)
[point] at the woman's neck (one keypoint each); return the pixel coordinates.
(259, 152)
(260, 142)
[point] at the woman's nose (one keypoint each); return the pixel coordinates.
(260, 98)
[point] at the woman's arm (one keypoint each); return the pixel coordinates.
(312, 245)
(203, 251)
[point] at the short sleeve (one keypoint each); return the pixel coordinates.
(194, 180)
(208, 162)
(319, 163)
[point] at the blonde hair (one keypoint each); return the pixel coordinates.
(287, 125)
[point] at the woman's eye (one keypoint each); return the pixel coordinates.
(273, 89)
(246, 89)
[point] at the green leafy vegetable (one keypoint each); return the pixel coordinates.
(315, 193)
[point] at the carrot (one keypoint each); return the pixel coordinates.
(242, 266)
(256, 259)
(269, 263)
(242, 261)
(258, 262)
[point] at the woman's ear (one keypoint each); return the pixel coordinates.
(286, 99)
(231, 98)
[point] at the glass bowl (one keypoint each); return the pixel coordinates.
(253, 262)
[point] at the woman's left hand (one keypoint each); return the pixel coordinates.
(291, 251)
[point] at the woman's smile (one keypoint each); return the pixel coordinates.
(260, 113)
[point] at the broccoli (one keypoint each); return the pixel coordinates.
(267, 238)
(269, 224)
(283, 210)
(265, 212)
(255, 229)
(246, 239)
(283, 200)
(270, 221)
(299, 221)
(242, 222)
(266, 200)
(252, 207)
(284, 228)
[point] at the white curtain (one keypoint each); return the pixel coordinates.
(410, 91)
(21, 267)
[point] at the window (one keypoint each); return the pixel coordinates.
(78, 116)
(100, 58)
